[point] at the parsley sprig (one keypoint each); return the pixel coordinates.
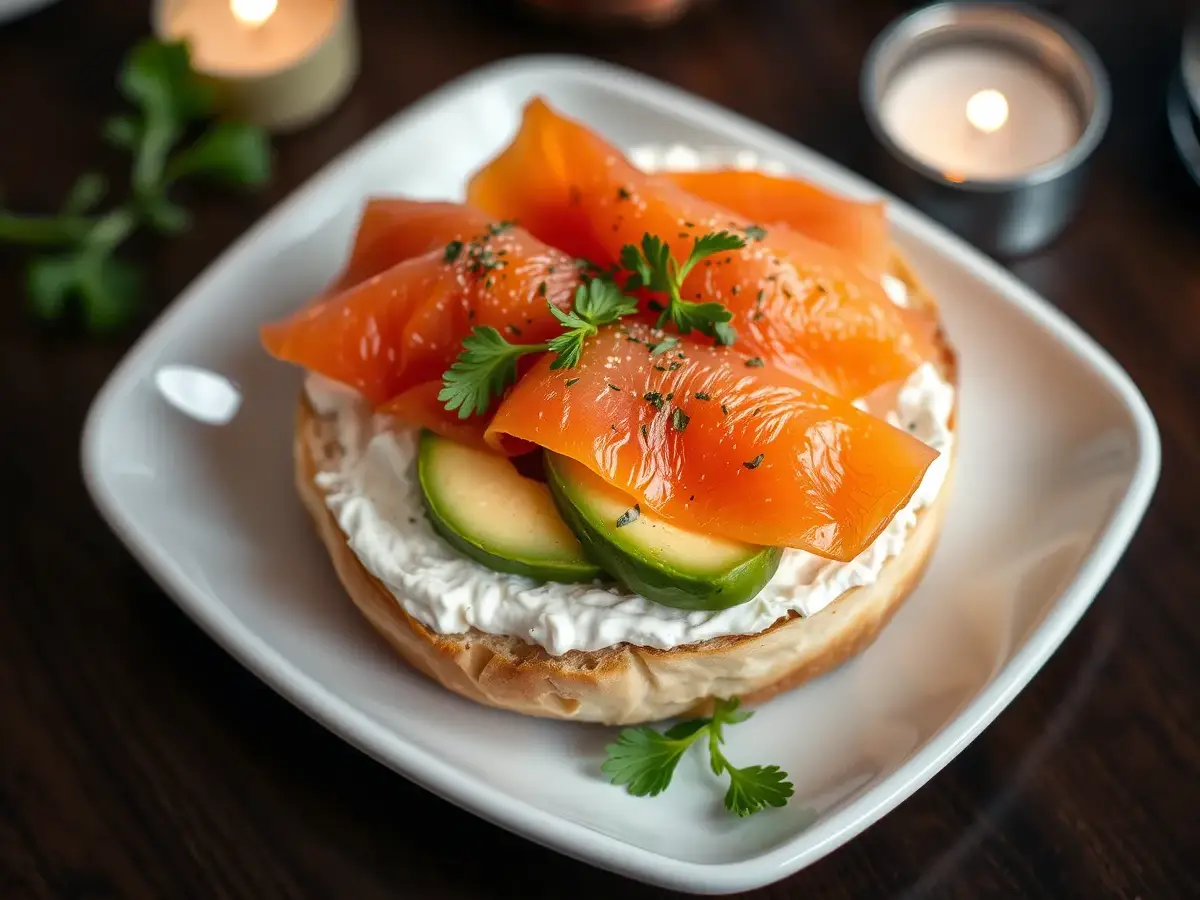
(597, 302)
(168, 101)
(644, 760)
(655, 268)
(488, 362)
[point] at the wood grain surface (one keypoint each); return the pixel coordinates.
(137, 760)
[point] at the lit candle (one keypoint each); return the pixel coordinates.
(979, 113)
(992, 111)
(277, 63)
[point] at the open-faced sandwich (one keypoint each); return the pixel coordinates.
(606, 443)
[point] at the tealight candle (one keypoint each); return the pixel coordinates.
(277, 63)
(992, 111)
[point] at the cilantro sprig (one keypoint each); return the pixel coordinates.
(655, 268)
(644, 761)
(488, 362)
(597, 302)
(83, 271)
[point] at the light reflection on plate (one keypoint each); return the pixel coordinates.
(203, 395)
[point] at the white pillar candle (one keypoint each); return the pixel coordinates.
(979, 112)
(277, 63)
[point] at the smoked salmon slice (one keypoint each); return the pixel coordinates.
(393, 229)
(404, 326)
(805, 306)
(860, 230)
(714, 441)
(419, 407)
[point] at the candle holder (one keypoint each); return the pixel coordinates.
(1007, 176)
(280, 64)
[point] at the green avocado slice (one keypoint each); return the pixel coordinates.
(660, 561)
(489, 511)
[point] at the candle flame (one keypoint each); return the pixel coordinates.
(987, 110)
(252, 12)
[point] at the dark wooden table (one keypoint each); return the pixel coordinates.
(137, 760)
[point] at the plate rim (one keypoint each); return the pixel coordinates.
(542, 826)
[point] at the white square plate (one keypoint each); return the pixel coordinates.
(1059, 457)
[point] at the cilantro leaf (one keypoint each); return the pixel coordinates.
(487, 364)
(229, 152)
(724, 334)
(717, 242)
(49, 282)
(568, 347)
(88, 190)
(600, 302)
(754, 788)
(482, 372)
(703, 317)
(644, 760)
(654, 267)
(597, 302)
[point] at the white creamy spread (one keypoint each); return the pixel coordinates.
(376, 499)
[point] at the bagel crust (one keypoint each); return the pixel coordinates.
(623, 684)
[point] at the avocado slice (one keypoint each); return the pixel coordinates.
(489, 511)
(662, 562)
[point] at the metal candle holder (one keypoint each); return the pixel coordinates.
(1008, 216)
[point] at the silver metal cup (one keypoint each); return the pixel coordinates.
(1011, 216)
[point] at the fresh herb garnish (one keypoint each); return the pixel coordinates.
(653, 267)
(156, 78)
(755, 362)
(453, 251)
(756, 462)
(654, 398)
(484, 369)
(663, 346)
(725, 334)
(679, 419)
(571, 381)
(701, 395)
(613, 387)
(598, 302)
(644, 760)
(487, 364)
(630, 515)
(755, 232)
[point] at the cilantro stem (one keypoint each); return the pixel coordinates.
(43, 231)
(111, 230)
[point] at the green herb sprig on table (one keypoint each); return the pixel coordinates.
(655, 268)
(644, 760)
(488, 363)
(169, 100)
